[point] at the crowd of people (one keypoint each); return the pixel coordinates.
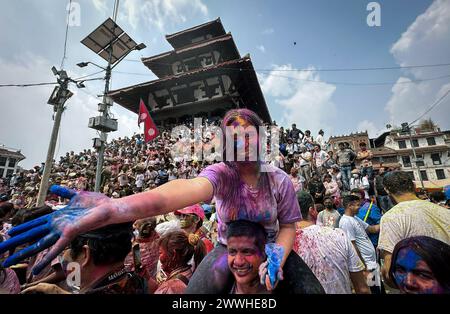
(203, 226)
(130, 166)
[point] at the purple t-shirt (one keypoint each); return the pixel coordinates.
(272, 203)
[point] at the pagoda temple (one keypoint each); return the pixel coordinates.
(204, 76)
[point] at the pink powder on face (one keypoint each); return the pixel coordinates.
(271, 203)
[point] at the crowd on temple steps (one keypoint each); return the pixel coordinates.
(359, 230)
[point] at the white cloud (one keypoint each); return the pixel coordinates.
(370, 127)
(26, 118)
(424, 42)
(268, 31)
(100, 5)
(161, 13)
(128, 122)
(305, 99)
(261, 48)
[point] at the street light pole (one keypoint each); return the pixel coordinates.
(62, 96)
(103, 134)
(117, 44)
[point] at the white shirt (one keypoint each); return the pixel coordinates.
(172, 174)
(140, 180)
(151, 175)
(307, 156)
(307, 140)
(123, 179)
(320, 157)
(330, 255)
(277, 162)
(356, 231)
(413, 218)
(320, 141)
(360, 183)
(328, 218)
(292, 148)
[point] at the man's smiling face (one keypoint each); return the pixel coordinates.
(244, 258)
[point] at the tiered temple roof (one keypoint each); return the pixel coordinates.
(203, 76)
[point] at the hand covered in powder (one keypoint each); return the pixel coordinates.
(86, 211)
(265, 279)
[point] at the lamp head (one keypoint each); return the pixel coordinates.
(140, 46)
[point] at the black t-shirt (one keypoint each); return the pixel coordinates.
(294, 134)
(316, 187)
(379, 185)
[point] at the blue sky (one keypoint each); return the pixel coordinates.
(328, 34)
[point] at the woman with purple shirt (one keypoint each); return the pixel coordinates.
(249, 190)
(254, 191)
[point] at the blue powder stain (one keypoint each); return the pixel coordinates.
(408, 260)
(275, 253)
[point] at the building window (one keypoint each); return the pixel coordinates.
(11, 163)
(180, 68)
(406, 161)
(401, 144)
(436, 159)
(431, 141)
(2, 161)
(440, 174)
(423, 175)
(419, 161)
(207, 60)
(192, 64)
(389, 159)
(415, 143)
(411, 175)
(2, 171)
(9, 172)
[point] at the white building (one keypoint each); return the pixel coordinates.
(9, 160)
(432, 151)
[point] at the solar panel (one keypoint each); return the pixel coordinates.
(109, 36)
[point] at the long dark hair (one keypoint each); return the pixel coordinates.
(232, 172)
(434, 252)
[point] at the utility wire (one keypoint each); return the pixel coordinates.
(42, 84)
(282, 76)
(27, 85)
(88, 92)
(67, 32)
(437, 102)
(360, 69)
(88, 75)
(360, 84)
(331, 69)
(322, 82)
(133, 73)
(115, 10)
(94, 79)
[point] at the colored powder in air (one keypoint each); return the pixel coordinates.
(275, 253)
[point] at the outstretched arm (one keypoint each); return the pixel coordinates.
(168, 197)
(89, 211)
